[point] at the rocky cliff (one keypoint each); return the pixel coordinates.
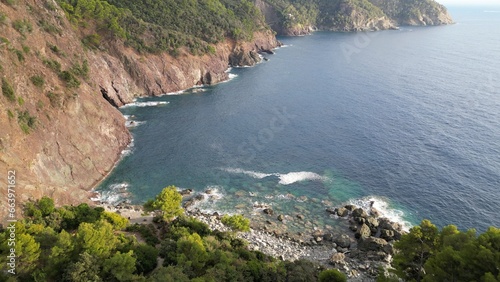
(59, 125)
(302, 17)
(414, 13)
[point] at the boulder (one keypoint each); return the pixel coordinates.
(300, 216)
(342, 212)
(281, 217)
(268, 211)
(350, 207)
(387, 234)
(331, 211)
(186, 192)
(372, 222)
(337, 258)
(343, 241)
(359, 212)
(371, 244)
(328, 237)
(364, 231)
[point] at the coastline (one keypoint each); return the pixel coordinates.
(345, 252)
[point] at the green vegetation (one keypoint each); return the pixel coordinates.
(37, 80)
(81, 70)
(48, 27)
(153, 26)
(167, 202)
(82, 243)
(53, 65)
(67, 76)
(7, 90)
(10, 114)
(54, 49)
(236, 222)
(20, 55)
(3, 18)
(22, 26)
(332, 275)
(10, 2)
(26, 121)
(20, 101)
(70, 79)
(427, 254)
(55, 99)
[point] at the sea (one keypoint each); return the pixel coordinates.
(407, 120)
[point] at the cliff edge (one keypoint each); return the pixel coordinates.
(61, 130)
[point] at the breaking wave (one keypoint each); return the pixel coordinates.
(146, 104)
(285, 178)
(384, 208)
(116, 193)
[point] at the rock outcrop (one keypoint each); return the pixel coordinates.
(414, 13)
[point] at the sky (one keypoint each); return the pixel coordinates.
(470, 2)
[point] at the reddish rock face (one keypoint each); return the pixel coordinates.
(79, 134)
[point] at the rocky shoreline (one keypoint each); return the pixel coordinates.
(359, 252)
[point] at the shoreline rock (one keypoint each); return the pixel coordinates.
(359, 258)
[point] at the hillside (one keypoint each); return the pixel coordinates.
(66, 66)
(297, 17)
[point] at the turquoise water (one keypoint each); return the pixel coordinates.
(410, 118)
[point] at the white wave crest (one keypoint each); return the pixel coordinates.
(175, 92)
(116, 194)
(293, 177)
(145, 104)
(285, 179)
(383, 207)
(127, 151)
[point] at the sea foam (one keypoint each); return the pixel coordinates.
(117, 193)
(146, 104)
(383, 207)
(284, 178)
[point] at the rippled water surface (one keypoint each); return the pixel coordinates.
(410, 118)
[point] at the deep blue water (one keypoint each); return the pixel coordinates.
(410, 118)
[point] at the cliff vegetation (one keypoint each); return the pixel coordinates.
(296, 17)
(83, 243)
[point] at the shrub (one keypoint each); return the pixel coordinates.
(236, 222)
(81, 70)
(19, 54)
(118, 221)
(48, 27)
(3, 18)
(55, 99)
(54, 49)
(22, 26)
(70, 79)
(26, 49)
(92, 41)
(53, 65)
(26, 121)
(168, 202)
(146, 258)
(148, 233)
(10, 114)
(332, 275)
(8, 91)
(20, 101)
(37, 80)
